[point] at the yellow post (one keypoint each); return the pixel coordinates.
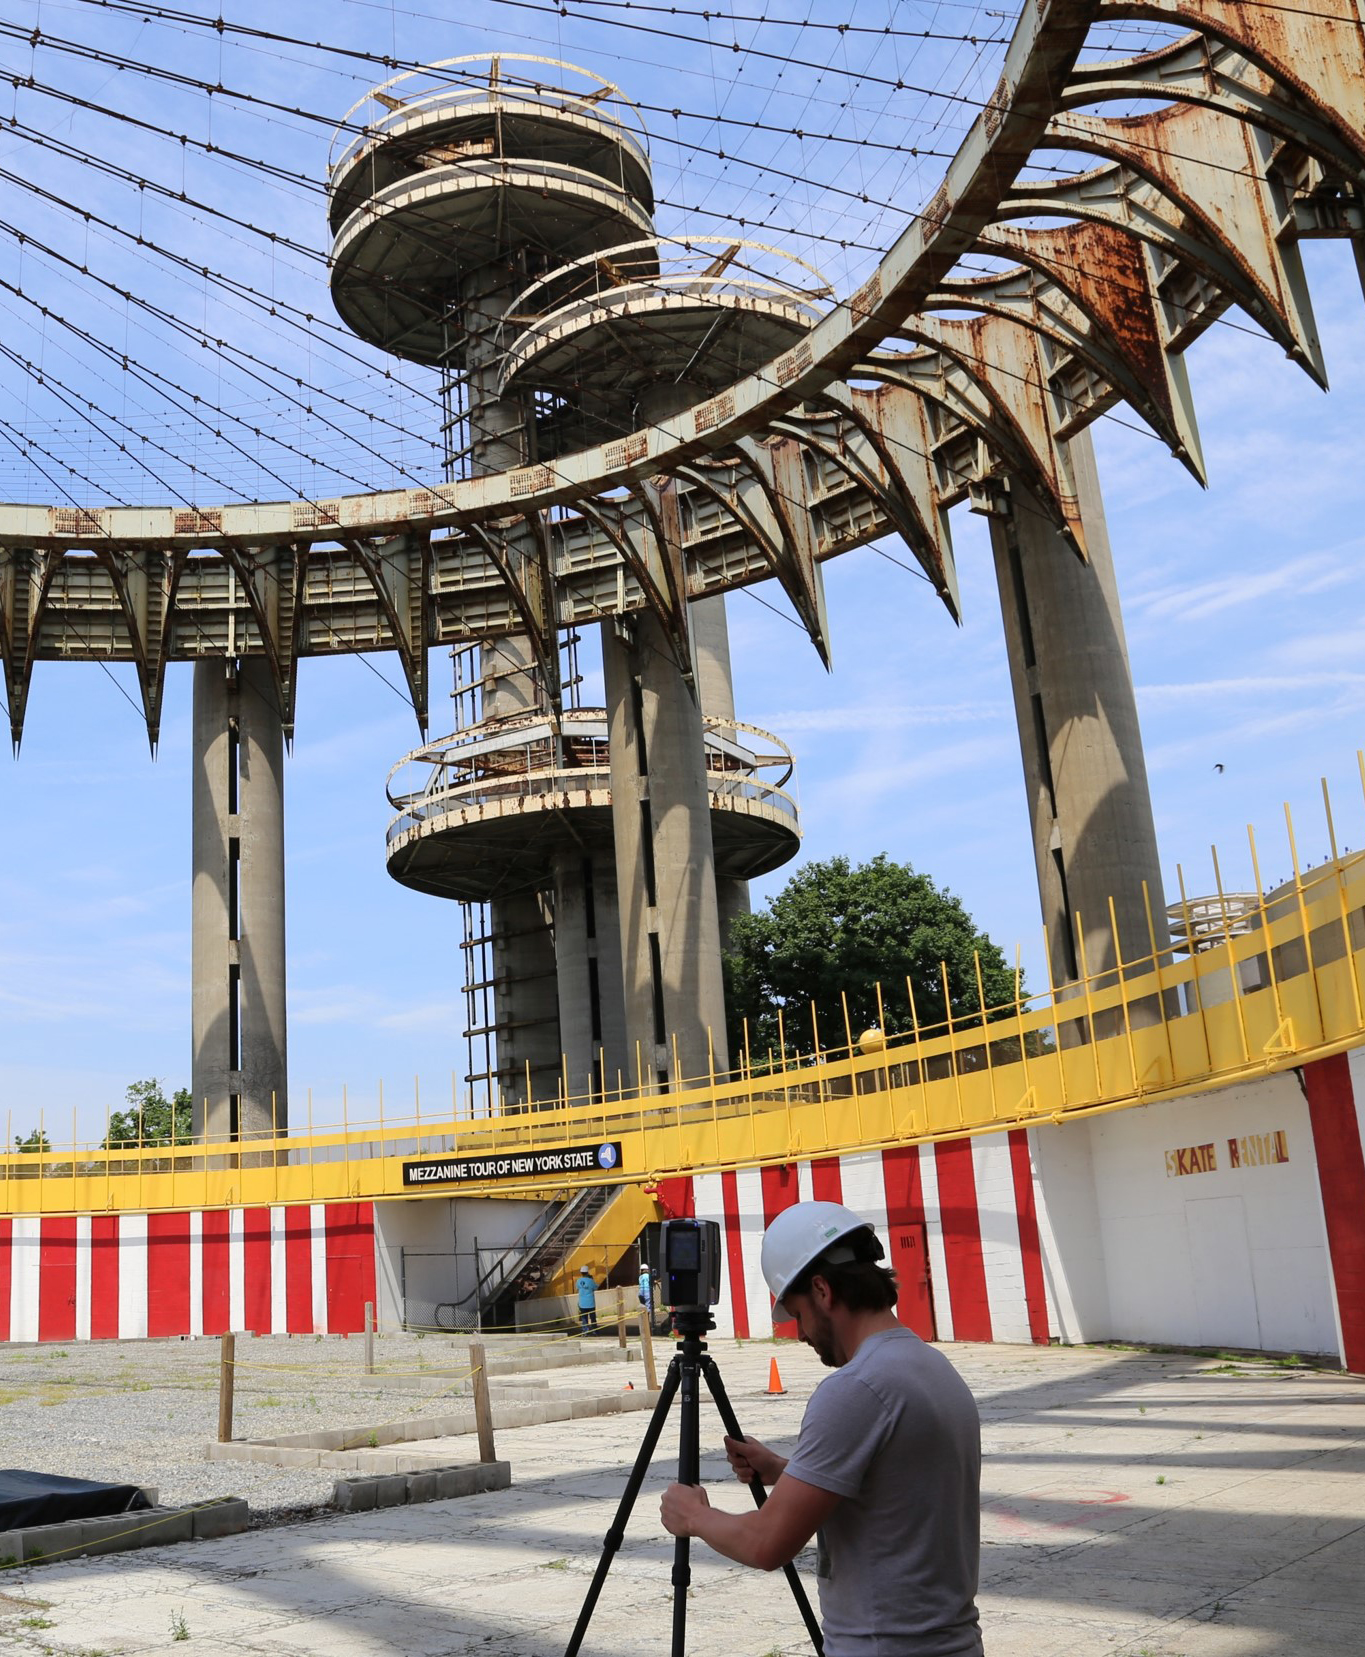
(1123, 996)
(1160, 986)
(919, 1050)
(1194, 968)
(881, 1025)
(1342, 904)
(1091, 1035)
(1234, 972)
(985, 1038)
(952, 1043)
(1265, 928)
(1303, 918)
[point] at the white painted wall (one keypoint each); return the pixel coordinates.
(1233, 1257)
(1069, 1234)
(440, 1235)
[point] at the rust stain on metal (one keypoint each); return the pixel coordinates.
(531, 481)
(794, 363)
(628, 450)
(866, 300)
(75, 520)
(713, 413)
(995, 109)
(195, 522)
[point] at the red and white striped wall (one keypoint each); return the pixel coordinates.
(961, 1218)
(302, 1269)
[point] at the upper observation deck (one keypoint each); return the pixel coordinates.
(624, 336)
(442, 172)
(485, 812)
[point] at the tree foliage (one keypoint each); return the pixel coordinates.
(152, 1118)
(837, 931)
(35, 1141)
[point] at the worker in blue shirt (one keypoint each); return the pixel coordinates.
(646, 1290)
(587, 1301)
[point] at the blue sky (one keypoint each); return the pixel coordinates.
(1243, 607)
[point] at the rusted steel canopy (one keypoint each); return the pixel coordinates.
(887, 413)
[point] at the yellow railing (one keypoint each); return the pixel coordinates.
(1289, 989)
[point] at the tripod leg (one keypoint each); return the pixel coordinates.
(731, 1423)
(689, 1472)
(616, 1534)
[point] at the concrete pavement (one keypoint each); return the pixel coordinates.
(1135, 1505)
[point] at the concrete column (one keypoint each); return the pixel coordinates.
(525, 1011)
(1093, 833)
(665, 866)
(526, 1006)
(710, 635)
(239, 1073)
(592, 1019)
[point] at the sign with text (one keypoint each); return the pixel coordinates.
(570, 1159)
(1191, 1159)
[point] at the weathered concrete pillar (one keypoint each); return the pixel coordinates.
(525, 999)
(525, 1008)
(588, 962)
(665, 865)
(715, 682)
(239, 1074)
(1093, 833)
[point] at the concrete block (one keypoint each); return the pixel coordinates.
(237, 1450)
(422, 1487)
(228, 1517)
(455, 1481)
(493, 1475)
(353, 1495)
(11, 1547)
(51, 1541)
(522, 1415)
(391, 1491)
(559, 1409)
(115, 1533)
(580, 1407)
(295, 1458)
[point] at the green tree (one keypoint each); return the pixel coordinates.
(839, 928)
(152, 1118)
(35, 1141)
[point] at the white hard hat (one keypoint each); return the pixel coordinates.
(802, 1234)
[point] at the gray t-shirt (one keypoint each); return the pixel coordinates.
(896, 1433)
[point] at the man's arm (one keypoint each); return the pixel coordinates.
(768, 1538)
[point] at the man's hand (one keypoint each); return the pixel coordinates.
(752, 1460)
(682, 1507)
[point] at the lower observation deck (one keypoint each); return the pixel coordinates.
(498, 802)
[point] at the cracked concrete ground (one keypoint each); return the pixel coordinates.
(1136, 1504)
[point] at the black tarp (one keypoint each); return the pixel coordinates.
(47, 1499)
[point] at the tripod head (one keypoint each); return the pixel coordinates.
(692, 1324)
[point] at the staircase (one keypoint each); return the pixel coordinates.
(544, 1252)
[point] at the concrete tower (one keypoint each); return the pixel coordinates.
(500, 229)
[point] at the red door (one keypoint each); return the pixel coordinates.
(910, 1261)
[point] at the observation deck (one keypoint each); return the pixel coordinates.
(630, 333)
(436, 173)
(500, 799)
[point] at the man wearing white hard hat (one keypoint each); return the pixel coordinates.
(887, 1468)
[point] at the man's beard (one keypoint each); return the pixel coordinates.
(820, 1338)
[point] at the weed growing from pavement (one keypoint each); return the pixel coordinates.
(180, 1629)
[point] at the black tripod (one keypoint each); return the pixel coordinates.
(690, 1361)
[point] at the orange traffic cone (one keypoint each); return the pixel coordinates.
(629, 1387)
(774, 1379)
